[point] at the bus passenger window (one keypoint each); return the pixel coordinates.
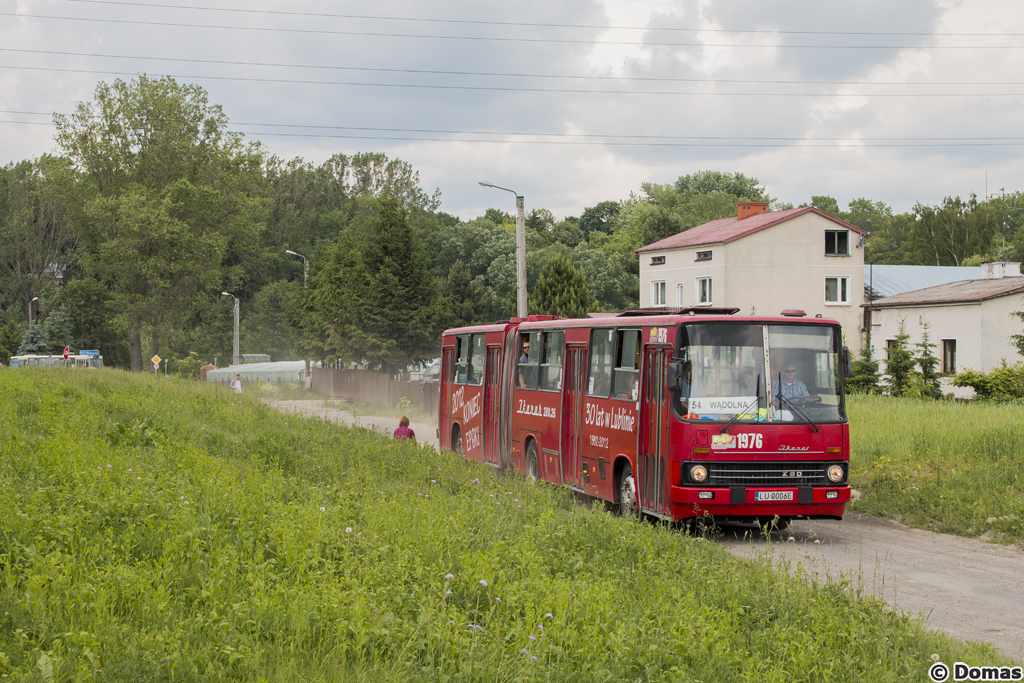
(627, 367)
(477, 354)
(529, 360)
(602, 348)
(462, 350)
(551, 361)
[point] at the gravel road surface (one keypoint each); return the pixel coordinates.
(968, 588)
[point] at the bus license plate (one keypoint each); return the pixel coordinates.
(773, 495)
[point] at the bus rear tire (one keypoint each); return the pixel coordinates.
(627, 494)
(456, 442)
(532, 463)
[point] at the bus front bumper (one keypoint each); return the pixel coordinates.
(762, 500)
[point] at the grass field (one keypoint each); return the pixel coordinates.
(160, 530)
(947, 466)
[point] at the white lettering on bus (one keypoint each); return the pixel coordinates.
(471, 408)
(473, 438)
(457, 398)
(616, 418)
(598, 441)
(524, 408)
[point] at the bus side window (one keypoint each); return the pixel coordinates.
(529, 360)
(551, 362)
(477, 355)
(462, 349)
(602, 349)
(627, 369)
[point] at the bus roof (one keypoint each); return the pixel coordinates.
(645, 318)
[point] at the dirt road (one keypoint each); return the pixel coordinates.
(968, 588)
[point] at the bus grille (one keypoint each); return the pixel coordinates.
(767, 474)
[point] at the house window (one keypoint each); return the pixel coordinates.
(837, 290)
(949, 356)
(657, 260)
(837, 243)
(890, 344)
(703, 291)
(658, 293)
(703, 256)
(680, 302)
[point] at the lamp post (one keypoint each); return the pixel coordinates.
(520, 249)
(305, 267)
(34, 299)
(234, 347)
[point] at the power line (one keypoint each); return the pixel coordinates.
(475, 22)
(489, 88)
(564, 41)
(620, 140)
(489, 74)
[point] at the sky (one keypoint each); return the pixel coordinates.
(566, 103)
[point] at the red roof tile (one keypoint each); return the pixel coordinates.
(730, 229)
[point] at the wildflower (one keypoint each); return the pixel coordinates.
(109, 467)
(791, 539)
(533, 658)
(492, 495)
(449, 576)
(498, 599)
(451, 623)
(549, 615)
(433, 481)
(540, 627)
(533, 637)
(348, 530)
(129, 469)
(817, 541)
(525, 651)
(447, 592)
(935, 658)
(476, 481)
(515, 500)
(322, 508)
(483, 583)
(100, 468)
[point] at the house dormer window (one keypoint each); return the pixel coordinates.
(657, 260)
(703, 256)
(837, 243)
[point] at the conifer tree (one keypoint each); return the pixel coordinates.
(900, 365)
(560, 290)
(928, 363)
(34, 342)
(59, 331)
(865, 372)
(467, 298)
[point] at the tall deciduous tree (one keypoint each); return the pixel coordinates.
(560, 290)
(179, 202)
(946, 235)
(375, 300)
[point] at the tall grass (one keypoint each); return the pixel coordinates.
(949, 466)
(155, 529)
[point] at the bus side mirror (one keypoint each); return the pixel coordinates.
(847, 364)
(675, 376)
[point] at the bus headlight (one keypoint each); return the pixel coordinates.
(698, 473)
(835, 474)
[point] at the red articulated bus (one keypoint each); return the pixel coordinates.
(675, 414)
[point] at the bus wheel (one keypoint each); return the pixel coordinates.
(532, 464)
(456, 441)
(627, 494)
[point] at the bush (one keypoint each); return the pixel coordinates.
(1003, 383)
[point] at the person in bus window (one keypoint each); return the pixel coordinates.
(525, 372)
(790, 387)
(632, 390)
(746, 387)
(690, 387)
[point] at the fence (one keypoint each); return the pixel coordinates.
(375, 387)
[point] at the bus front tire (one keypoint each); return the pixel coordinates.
(532, 464)
(627, 494)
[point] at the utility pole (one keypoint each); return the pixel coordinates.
(520, 249)
(234, 346)
(305, 268)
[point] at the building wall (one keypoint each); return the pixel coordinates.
(981, 330)
(780, 267)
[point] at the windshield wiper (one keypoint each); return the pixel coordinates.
(753, 404)
(792, 406)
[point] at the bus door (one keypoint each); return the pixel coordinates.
(572, 415)
(492, 405)
(447, 377)
(651, 462)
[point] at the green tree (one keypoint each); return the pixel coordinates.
(1018, 339)
(466, 297)
(34, 342)
(927, 383)
(738, 185)
(59, 331)
(265, 327)
(946, 235)
(900, 363)
(865, 377)
(560, 291)
(95, 323)
(599, 218)
(180, 203)
(10, 339)
(375, 300)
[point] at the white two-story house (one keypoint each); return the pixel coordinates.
(761, 262)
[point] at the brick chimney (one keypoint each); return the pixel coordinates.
(748, 209)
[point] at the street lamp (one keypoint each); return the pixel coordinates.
(305, 268)
(234, 347)
(34, 299)
(520, 249)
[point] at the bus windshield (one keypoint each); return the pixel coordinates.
(759, 373)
